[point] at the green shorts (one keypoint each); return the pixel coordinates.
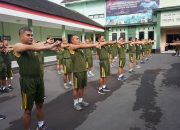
(3, 71)
(67, 65)
(150, 51)
(89, 62)
(114, 54)
(59, 60)
(104, 68)
(138, 55)
(122, 62)
(80, 79)
(132, 57)
(32, 90)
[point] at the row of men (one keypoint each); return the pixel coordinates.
(5, 69)
(31, 69)
(138, 51)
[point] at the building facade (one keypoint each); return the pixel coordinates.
(45, 22)
(154, 25)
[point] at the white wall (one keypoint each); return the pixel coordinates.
(91, 8)
(168, 3)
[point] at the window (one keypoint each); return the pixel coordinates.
(114, 36)
(122, 35)
(151, 35)
(141, 35)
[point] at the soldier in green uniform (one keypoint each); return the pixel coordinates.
(138, 52)
(31, 75)
(132, 55)
(147, 50)
(143, 51)
(59, 62)
(89, 59)
(79, 71)
(122, 58)
(177, 48)
(103, 54)
(67, 63)
(110, 51)
(150, 46)
(7, 60)
(3, 70)
(176, 44)
(114, 53)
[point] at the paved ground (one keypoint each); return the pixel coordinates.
(147, 100)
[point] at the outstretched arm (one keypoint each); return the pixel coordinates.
(19, 47)
(81, 46)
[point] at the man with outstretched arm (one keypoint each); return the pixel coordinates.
(31, 75)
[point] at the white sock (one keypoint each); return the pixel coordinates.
(80, 99)
(75, 101)
(104, 86)
(65, 84)
(131, 70)
(3, 87)
(100, 88)
(121, 75)
(40, 123)
(70, 82)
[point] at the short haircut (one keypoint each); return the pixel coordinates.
(130, 38)
(73, 36)
(24, 29)
(100, 37)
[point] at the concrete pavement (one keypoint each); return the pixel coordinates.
(147, 100)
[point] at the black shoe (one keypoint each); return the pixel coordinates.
(101, 91)
(2, 117)
(106, 89)
(43, 127)
(10, 87)
(1, 91)
(5, 90)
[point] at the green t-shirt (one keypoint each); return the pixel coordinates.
(1, 58)
(103, 53)
(88, 52)
(59, 54)
(7, 58)
(143, 47)
(114, 48)
(66, 54)
(138, 48)
(40, 55)
(78, 61)
(132, 49)
(29, 64)
(122, 51)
